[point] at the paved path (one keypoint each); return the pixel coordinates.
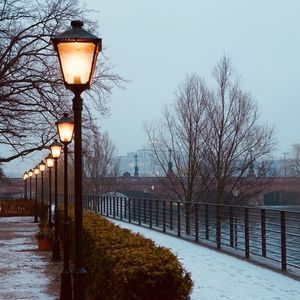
(25, 273)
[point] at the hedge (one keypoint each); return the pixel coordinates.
(122, 265)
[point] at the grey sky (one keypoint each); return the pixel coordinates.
(154, 44)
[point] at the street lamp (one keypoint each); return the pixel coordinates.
(25, 176)
(42, 167)
(36, 171)
(30, 174)
(50, 163)
(77, 52)
(55, 148)
(65, 128)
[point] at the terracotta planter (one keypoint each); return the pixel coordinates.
(44, 244)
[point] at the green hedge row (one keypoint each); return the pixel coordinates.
(122, 265)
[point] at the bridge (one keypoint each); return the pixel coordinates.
(263, 190)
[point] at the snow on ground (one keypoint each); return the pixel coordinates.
(218, 276)
(25, 273)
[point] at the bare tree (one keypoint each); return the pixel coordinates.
(180, 132)
(216, 136)
(99, 161)
(32, 94)
(234, 138)
(292, 165)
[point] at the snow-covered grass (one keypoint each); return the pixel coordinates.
(220, 276)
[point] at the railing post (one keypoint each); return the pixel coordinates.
(218, 227)
(139, 210)
(164, 216)
(145, 212)
(187, 218)
(129, 210)
(156, 203)
(134, 209)
(231, 225)
(107, 208)
(263, 232)
(206, 222)
(121, 208)
(110, 206)
(94, 203)
(196, 223)
(283, 240)
(117, 204)
(98, 203)
(178, 219)
(150, 212)
(171, 215)
(114, 207)
(247, 252)
(125, 207)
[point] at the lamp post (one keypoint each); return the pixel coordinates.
(55, 148)
(25, 176)
(30, 174)
(36, 171)
(50, 163)
(65, 128)
(77, 52)
(42, 167)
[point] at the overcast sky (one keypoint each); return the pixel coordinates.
(154, 44)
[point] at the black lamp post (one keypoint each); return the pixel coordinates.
(55, 148)
(30, 174)
(50, 163)
(36, 171)
(65, 128)
(25, 176)
(77, 51)
(42, 167)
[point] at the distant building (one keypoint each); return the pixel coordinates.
(144, 164)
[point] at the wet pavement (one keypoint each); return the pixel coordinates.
(25, 272)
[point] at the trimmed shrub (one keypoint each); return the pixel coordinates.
(122, 265)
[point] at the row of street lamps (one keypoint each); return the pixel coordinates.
(77, 51)
(65, 129)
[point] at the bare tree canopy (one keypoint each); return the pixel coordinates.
(32, 94)
(99, 161)
(215, 135)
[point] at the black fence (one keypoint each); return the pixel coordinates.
(19, 207)
(268, 236)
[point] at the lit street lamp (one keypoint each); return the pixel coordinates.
(55, 148)
(77, 52)
(42, 167)
(36, 171)
(25, 176)
(30, 174)
(65, 128)
(50, 163)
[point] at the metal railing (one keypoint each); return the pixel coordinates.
(268, 236)
(19, 207)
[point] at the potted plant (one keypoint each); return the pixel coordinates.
(45, 239)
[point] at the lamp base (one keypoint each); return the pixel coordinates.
(79, 283)
(66, 286)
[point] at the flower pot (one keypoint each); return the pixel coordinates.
(44, 244)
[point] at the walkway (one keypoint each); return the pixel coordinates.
(25, 273)
(218, 276)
